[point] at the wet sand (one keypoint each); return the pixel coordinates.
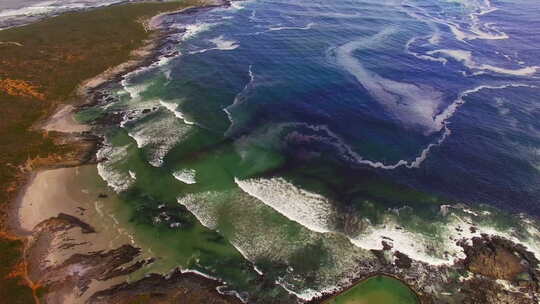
(76, 192)
(55, 205)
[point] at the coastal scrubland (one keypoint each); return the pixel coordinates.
(41, 66)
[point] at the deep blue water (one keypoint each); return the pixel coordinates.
(294, 136)
(370, 81)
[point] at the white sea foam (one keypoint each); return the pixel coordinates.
(220, 290)
(193, 30)
(462, 224)
(315, 213)
(224, 44)
(413, 105)
(186, 176)
(286, 28)
(239, 99)
(472, 34)
(109, 158)
(239, 4)
(24, 12)
(253, 16)
(344, 150)
(422, 56)
(134, 90)
(173, 107)
(459, 228)
(409, 103)
(258, 231)
(308, 294)
(157, 135)
(500, 104)
(466, 58)
(452, 108)
(470, 26)
(283, 28)
(221, 44)
(206, 212)
(435, 38)
(415, 245)
(204, 275)
(36, 9)
(309, 209)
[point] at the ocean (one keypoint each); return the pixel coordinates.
(286, 139)
(20, 12)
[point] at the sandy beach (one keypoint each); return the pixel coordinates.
(68, 193)
(63, 121)
(77, 236)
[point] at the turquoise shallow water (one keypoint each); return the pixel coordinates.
(290, 138)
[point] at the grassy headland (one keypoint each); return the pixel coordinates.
(41, 66)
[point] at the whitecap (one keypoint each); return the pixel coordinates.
(311, 210)
(193, 30)
(109, 160)
(27, 12)
(173, 108)
(207, 213)
(157, 135)
(415, 245)
(239, 4)
(186, 176)
(258, 231)
(221, 44)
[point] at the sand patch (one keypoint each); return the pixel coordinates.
(63, 121)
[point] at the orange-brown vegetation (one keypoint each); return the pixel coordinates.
(41, 70)
(17, 87)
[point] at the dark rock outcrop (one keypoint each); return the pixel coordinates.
(177, 287)
(499, 258)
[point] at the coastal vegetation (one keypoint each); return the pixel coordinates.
(41, 66)
(203, 191)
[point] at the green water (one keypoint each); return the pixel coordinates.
(246, 206)
(377, 290)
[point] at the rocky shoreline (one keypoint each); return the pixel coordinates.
(61, 263)
(495, 270)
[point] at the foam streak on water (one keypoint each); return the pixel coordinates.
(330, 128)
(411, 104)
